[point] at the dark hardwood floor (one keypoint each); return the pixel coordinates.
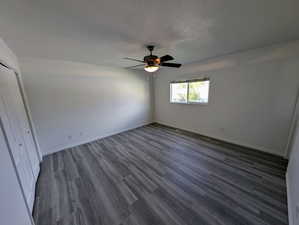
(156, 175)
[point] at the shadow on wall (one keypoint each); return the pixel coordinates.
(73, 103)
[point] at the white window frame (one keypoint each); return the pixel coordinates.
(189, 81)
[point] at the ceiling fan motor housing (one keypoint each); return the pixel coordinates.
(151, 60)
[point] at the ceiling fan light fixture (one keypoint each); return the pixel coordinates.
(151, 69)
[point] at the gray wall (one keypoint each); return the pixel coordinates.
(73, 103)
(252, 97)
(293, 180)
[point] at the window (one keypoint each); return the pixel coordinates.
(192, 91)
(179, 92)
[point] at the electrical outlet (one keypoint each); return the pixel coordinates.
(81, 133)
(69, 137)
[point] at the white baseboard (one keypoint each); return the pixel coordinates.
(259, 148)
(61, 147)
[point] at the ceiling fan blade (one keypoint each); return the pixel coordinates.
(132, 67)
(136, 60)
(176, 65)
(166, 58)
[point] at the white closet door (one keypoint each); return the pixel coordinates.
(13, 120)
(24, 123)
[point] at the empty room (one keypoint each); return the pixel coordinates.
(141, 112)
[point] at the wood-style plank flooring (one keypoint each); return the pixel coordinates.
(156, 175)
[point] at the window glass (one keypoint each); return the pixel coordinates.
(193, 91)
(199, 92)
(178, 92)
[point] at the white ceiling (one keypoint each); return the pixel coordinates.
(104, 31)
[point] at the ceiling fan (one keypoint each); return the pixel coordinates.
(152, 62)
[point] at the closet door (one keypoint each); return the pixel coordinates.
(14, 123)
(26, 131)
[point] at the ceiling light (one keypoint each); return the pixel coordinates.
(151, 69)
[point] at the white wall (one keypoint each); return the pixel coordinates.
(252, 97)
(12, 206)
(293, 180)
(7, 57)
(73, 103)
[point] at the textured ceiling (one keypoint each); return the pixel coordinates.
(104, 31)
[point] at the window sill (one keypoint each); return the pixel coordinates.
(190, 103)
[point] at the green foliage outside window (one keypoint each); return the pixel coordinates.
(193, 92)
